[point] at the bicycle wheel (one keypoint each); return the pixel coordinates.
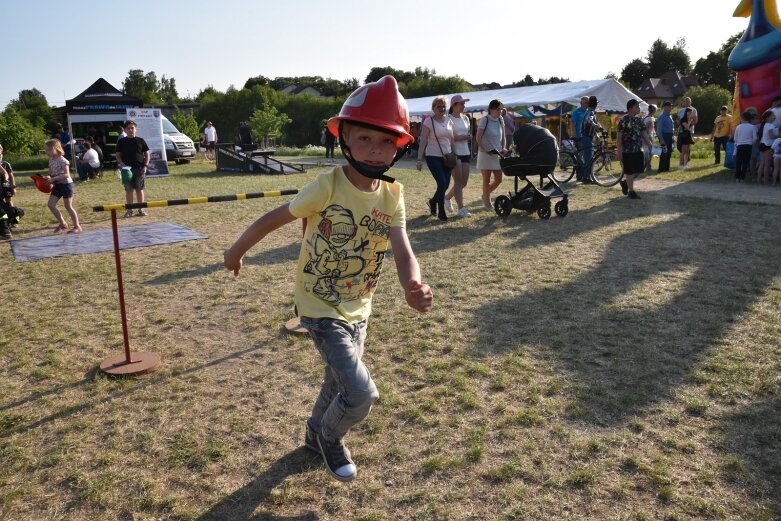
(606, 168)
(566, 167)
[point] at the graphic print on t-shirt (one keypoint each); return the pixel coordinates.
(336, 256)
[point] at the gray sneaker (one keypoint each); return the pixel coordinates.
(141, 212)
(129, 213)
(338, 460)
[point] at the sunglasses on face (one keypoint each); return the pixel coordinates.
(440, 107)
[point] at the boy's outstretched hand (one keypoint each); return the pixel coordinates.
(419, 296)
(231, 262)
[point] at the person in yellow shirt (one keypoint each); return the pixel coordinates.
(352, 214)
(722, 126)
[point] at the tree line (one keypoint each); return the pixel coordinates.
(298, 119)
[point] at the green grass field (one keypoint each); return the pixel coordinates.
(621, 363)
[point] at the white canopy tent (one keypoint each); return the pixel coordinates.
(611, 96)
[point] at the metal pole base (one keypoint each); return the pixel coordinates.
(294, 326)
(140, 363)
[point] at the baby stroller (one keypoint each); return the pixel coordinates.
(538, 154)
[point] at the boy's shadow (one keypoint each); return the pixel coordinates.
(242, 504)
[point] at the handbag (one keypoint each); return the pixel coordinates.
(450, 159)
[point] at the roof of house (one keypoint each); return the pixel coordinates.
(670, 85)
(301, 89)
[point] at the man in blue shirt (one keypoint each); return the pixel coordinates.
(664, 131)
(577, 126)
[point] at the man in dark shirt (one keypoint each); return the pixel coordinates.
(133, 152)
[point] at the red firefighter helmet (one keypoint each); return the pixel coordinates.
(42, 184)
(379, 104)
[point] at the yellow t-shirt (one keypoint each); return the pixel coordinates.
(347, 235)
(721, 126)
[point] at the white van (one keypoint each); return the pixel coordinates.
(178, 147)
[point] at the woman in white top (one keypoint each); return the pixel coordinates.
(461, 134)
(766, 135)
(490, 139)
(436, 140)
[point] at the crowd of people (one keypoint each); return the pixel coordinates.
(447, 141)
(756, 139)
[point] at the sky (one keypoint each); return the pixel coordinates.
(62, 51)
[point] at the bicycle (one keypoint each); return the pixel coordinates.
(605, 169)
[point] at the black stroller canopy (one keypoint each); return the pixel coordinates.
(537, 152)
(536, 146)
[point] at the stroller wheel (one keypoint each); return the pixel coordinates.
(544, 212)
(502, 206)
(562, 208)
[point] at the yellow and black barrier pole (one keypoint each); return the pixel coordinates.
(193, 200)
(128, 363)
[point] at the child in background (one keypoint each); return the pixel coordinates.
(352, 213)
(777, 160)
(60, 178)
(745, 135)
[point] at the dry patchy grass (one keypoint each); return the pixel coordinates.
(619, 363)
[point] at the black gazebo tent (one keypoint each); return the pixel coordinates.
(101, 103)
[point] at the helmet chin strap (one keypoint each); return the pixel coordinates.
(366, 170)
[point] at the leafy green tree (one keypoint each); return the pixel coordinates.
(267, 122)
(32, 106)
(326, 86)
(713, 69)
(662, 58)
(491, 86)
(708, 100)
(435, 85)
(144, 86)
(425, 73)
(551, 80)
(187, 124)
(307, 114)
(634, 73)
(167, 91)
(378, 72)
(208, 94)
(149, 89)
(527, 81)
(227, 109)
(18, 135)
(256, 80)
(350, 85)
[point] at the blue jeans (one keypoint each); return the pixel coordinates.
(588, 153)
(347, 391)
(441, 176)
(664, 158)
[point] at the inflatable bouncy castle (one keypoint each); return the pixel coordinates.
(757, 57)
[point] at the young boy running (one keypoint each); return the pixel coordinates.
(352, 212)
